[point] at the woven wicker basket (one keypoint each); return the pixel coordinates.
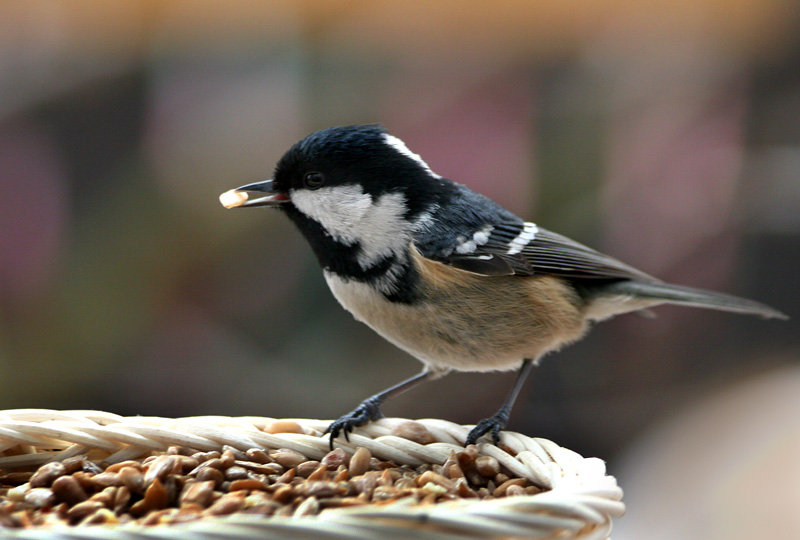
(578, 502)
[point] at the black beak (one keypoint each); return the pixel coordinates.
(240, 196)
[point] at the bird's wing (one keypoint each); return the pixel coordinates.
(512, 247)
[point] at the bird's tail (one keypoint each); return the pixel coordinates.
(689, 296)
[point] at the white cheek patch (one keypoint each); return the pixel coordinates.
(339, 209)
(351, 216)
(388, 230)
(401, 147)
(523, 238)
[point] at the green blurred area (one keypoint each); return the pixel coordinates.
(665, 135)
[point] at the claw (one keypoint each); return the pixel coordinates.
(493, 424)
(364, 413)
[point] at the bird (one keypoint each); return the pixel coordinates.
(444, 273)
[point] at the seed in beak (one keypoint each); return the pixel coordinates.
(233, 198)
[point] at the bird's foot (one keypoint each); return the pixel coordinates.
(493, 424)
(368, 411)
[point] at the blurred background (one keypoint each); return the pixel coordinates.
(665, 135)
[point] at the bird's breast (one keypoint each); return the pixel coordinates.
(466, 321)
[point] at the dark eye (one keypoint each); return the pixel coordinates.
(313, 180)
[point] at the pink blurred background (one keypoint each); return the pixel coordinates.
(666, 135)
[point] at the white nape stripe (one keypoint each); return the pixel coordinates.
(527, 234)
(401, 147)
(425, 219)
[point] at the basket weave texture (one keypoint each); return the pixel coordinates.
(579, 502)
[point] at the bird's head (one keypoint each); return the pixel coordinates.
(357, 185)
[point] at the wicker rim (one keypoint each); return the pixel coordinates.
(580, 502)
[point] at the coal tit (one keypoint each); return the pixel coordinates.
(443, 272)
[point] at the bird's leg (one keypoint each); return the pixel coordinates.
(500, 419)
(369, 409)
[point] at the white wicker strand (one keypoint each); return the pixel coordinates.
(26, 460)
(374, 531)
(98, 417)
(47, 415)
(559, 455)
(113, 436)
(169, 436)
(512, 441)
(545, 523)
(535, 448)
(317, 530)
(440, 432)
(378, 428)
(13, 433)
(377, 448)
(424, 453)
(219, 435)
(598, 533)
(569, 505)
(241, 422)
(455, 431)
(126, 453)
(125, 434)
(465, 523)
(538, 476)
(74, 450)
(314, 426)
